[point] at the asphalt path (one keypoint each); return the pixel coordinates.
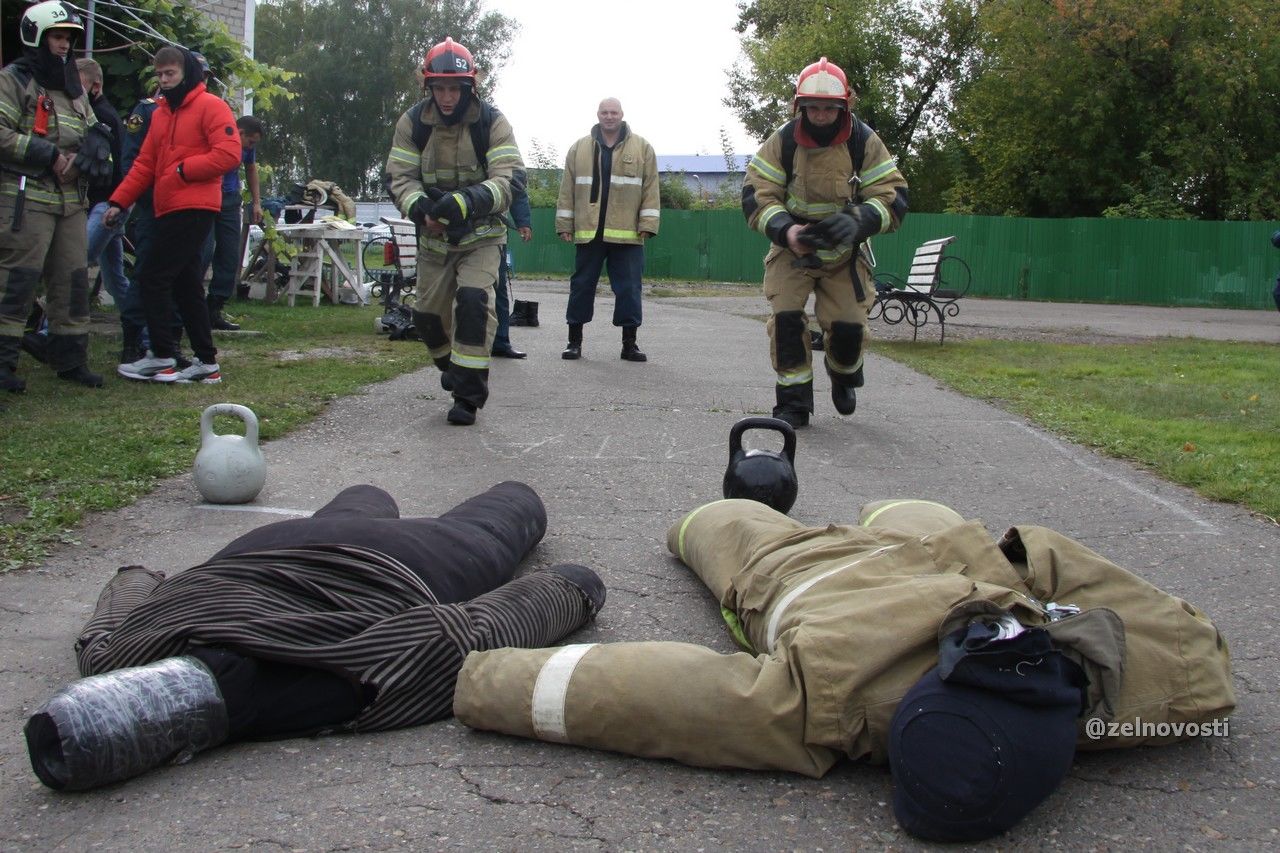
(619, 451)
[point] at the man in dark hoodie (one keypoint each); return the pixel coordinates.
(51, 145)
(192, 143)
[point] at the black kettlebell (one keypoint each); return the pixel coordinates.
(766, 476)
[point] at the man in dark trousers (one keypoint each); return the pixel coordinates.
(50, 146)
(351, 620)
(608, 206)
(106, 245)
(193, 142)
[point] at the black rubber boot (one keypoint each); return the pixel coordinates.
(573, 350)
(217, 319)
(844, 398)
(470, 391)
(69, 354)
(631, 352)
(794, 403)
(10, 347)
(446, 380)
(525, 314)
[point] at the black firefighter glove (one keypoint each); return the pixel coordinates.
(94, 158)
(462, 205)
(419, 211)
(849, 227)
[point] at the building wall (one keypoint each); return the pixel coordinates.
(231, 13)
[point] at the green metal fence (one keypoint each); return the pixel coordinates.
(1220, 264)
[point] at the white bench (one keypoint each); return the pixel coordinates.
(933, 287)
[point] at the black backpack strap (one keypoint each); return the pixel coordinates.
(480, 132)
(420, 130)
(788, 132)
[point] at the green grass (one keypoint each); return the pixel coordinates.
(67, 451)
(1204, 414)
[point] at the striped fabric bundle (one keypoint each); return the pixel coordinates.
(349, 610)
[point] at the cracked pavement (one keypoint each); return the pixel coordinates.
(618, 451)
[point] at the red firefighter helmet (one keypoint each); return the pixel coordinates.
(822, 83)
(449, 61)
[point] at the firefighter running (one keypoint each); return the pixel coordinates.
(819, 187)
(451, 168)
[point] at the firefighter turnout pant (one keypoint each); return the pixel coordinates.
(455, 315)
(49, 248)
(840, 311)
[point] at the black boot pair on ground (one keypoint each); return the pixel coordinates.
(630, 351)
(67, 354)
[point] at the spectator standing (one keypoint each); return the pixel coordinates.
(223, 249)
(522, 217)
(106, 245)
(50, 145)
(194, 143)
(608, 206)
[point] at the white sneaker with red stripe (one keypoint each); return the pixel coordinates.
(148, 368)
(207, 374)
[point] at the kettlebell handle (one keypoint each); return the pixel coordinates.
(788, 435)
(243, 412)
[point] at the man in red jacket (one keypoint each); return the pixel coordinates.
(192, 143)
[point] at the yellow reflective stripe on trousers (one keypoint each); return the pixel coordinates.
(546, 707)
(476, 362)
(799, 378)
(870, 518)
(684, 525)
(775, 618)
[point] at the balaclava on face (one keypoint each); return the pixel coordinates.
(52, 71)
(192, 76)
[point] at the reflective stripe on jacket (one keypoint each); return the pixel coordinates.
(448, 162)
(23, 152)
(820, 186)
(634, 201)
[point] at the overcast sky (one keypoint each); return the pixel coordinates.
(666, 60)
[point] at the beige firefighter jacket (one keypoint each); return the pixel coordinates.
(844, 620)
(819, 186)
(22, 152)
(634, 204)
(448, 161)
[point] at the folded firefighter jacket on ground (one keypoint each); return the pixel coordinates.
(843, 620)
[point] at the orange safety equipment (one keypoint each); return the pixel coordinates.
(449, 61)
(823, 82)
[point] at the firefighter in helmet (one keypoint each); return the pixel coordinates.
(452, 165)
(51, 147)
(819, 187)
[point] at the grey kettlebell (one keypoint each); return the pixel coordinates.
(766, 476)
(229, 468)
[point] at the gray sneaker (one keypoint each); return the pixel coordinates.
(148, 368)
(198, 371)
